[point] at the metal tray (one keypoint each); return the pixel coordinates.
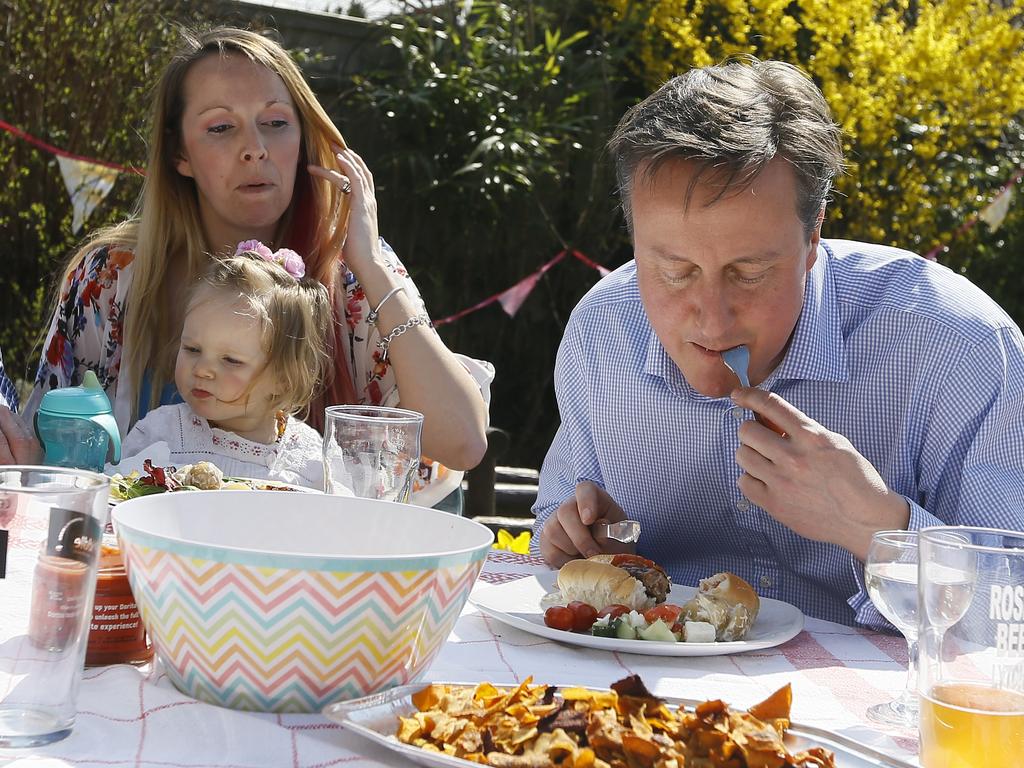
(376, 718)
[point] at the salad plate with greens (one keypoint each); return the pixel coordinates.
(201, 476)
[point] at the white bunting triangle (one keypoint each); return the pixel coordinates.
(87, 184)
(995, 212)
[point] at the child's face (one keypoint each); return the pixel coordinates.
(220, 355)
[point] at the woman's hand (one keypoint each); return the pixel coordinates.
(430, 379)
(17, 443)
(362, 241)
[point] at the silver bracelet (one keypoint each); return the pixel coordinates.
(371, 319)
(398, 330)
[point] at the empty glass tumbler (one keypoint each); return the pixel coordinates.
(371, 451)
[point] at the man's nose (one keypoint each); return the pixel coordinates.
(715, 312)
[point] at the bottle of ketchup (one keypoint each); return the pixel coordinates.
(116, 633)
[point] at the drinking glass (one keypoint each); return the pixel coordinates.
(51, 523)
(972, 647)
(371, 451)
(890, 574)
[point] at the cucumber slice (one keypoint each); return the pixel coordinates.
(609, 629)
(625, 630)
(658, 630)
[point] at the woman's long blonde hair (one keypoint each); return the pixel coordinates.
(166, 226)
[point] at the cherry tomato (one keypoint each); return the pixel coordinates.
(614, 610)
(559, 617)
(583, 616)
(666, 612)
(677, 628)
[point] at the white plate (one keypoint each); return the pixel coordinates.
(517, 603)
(276, 483)
(375, 718)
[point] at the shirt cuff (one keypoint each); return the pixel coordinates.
(865, 613)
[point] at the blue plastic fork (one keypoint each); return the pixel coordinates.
(738, 360)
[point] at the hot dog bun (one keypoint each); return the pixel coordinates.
(727, 602)
(599, 583)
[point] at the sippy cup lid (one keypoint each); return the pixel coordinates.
(87, 400)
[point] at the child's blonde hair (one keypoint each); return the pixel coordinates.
(294, 315)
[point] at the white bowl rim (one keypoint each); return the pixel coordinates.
(304, 560)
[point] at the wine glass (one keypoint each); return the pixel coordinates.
(890, 573)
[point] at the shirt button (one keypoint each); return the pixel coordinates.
(743, 505)
(766, 582)
(737, 413)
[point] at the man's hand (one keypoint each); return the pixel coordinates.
(17, 443)
(812, 480)
(569, 534)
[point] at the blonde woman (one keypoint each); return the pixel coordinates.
(241, 149)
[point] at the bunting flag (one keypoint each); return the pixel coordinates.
(511, 299)
(87, 184)
(992, 214)
(995, 212)
(88, 181)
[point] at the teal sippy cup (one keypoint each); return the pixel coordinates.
(77, 428)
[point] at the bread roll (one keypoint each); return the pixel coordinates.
(601, 584)
(727, 602)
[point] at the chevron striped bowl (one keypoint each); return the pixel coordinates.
(280, 602)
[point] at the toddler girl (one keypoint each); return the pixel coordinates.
(251, 355)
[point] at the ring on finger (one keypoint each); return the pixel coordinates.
(346, 187)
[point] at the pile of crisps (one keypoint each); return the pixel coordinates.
(626, 727)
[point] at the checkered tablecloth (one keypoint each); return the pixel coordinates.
(131, 717)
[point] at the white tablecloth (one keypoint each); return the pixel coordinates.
(131, 717)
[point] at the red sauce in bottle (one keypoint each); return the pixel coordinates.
(58, 601)
(116, 633)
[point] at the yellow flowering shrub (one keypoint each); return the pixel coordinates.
(927, 93)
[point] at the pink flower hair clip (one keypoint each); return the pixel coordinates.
(286, 257)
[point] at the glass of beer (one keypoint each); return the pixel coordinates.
(971, 681)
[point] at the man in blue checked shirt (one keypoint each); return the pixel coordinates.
(897, 385)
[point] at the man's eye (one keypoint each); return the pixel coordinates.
(750, 279)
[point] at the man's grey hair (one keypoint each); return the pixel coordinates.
(733, 119)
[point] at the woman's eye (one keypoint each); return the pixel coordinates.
(277, 123)
(190, 350)
(232, 361)
(217, 129)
